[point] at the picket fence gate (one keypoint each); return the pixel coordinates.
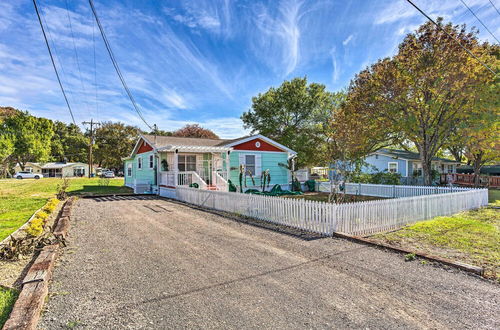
(361, 218)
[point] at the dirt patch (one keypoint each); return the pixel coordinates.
(323, 197)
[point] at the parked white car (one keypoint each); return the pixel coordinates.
(108, 174)
(27, 175)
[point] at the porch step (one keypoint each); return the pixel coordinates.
(212, 187)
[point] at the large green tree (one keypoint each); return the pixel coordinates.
(427, 90)
(112, 142)
(31, 137)
(69, 143)
(291, 115)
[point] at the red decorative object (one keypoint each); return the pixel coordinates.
(251, 145)
(144, 147)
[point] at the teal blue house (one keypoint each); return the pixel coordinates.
(160, 164)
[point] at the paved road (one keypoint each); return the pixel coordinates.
(150, 263)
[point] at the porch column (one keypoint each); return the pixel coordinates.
(158, 170)
(176, 168)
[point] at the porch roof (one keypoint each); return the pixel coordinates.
(184, 148)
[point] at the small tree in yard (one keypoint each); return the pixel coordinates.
(427, 90)
(483, 146)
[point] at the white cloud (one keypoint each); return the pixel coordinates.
(348, 40)
(280, 34)
(175, 100)
(335, 69)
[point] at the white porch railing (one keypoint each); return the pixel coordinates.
(188, 177)
(221, 181)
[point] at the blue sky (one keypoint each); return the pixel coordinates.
(199, 61)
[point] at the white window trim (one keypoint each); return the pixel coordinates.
(129, 166)
(254, 163)
(139, 160)
(151, 161)
(389, 167)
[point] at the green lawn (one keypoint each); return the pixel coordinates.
(7, 299)
(472, 237)
(494, 196)
(19, 199)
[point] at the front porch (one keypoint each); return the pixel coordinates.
(206, 167)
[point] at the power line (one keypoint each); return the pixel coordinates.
(494, 7)
(53, 63)
(473, 13)
(449, 35)
(115, 64)
(76, 56)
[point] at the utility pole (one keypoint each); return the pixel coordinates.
(91, 144)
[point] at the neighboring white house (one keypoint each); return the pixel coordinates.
(56, 169)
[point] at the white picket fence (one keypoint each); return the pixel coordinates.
(362, 218)
(390, 191)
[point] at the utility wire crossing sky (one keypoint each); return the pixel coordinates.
(200, 61)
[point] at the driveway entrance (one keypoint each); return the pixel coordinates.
(142, 262)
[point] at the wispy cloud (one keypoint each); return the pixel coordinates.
(348, 40)
(280, 32)
(198, 61)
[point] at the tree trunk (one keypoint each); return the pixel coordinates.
(425, 159)
(21, 164)
(477, 164)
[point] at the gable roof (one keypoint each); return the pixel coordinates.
(169, 142)
(408, 155)
(55, 164)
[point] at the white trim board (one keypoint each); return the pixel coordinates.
(262, 137)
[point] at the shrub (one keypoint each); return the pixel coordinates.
(35, 227)
(104, 182)
(51, 205)
(61, 189)
(377, 178)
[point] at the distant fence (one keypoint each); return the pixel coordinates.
(471, 180)
(390, 191)
(362, 218)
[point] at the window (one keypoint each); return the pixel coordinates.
(392, 167)
(79, 171)
(129, 169)
(139, 163)
(450, 168)
(376, 156)
(151, 161)
(418, 169)
(29, 169)
(187, 163)
(250, 163)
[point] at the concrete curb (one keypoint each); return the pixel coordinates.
(456, 264)
(26, 311)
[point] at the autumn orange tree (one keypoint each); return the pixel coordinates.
(426, 91)
(195, 131)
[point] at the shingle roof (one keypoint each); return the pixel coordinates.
(55, 164)
(162, 141)
(411, 155)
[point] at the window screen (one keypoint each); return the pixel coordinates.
(187, 163)
(250, 163)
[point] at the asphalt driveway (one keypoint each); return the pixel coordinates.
(143, 263)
